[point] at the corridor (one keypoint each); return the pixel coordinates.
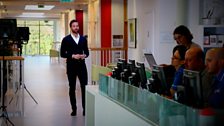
(47, 83)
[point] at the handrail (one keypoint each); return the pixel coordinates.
(107, 55)
(97, 49)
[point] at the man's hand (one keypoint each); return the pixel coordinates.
(83, 56)
(76, 56)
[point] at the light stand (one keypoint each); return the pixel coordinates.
(20, 75)
(4, 114)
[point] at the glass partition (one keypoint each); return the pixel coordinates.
(156, 109)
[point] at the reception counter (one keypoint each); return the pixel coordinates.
(114, 102)
(103, 111)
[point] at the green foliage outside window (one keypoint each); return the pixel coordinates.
(40, 39)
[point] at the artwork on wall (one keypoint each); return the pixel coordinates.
(132, 28)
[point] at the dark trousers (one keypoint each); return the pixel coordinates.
(76, 68)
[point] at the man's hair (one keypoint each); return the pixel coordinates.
(183, 30)
(72, 21)
(181, 49)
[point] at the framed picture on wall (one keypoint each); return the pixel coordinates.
(206, 40)
(132, 33)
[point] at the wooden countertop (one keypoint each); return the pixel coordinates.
(12, 58)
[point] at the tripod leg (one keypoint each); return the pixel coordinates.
(30, 94)
(21, 78)
(13, 96)
(5, 116)
(7, 119)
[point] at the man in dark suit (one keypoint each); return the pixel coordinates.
(74, 48)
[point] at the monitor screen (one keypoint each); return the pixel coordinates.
(125, 75)
(131, 61)
(159, 83)
(193, 88)
(131, 66)
(117, 70)
(150, 59)
(162, 79)
(133, 79)
(122, 70)
(142, 75)
(123, 62)
(128, 70)
(8, 29)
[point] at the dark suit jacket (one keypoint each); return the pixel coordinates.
(69, 47)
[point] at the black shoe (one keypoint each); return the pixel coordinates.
(73, 113)
(83, 113)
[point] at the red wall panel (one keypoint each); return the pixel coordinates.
(106, 23)
(105, 29)
(79, 18)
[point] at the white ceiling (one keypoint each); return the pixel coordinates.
(14, 8)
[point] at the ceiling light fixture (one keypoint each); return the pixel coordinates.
(34, 15)
(39, 7)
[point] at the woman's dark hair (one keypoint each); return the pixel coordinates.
(71, 22)
(181, 49)
(183, 30)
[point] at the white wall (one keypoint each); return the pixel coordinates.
(156, 20)
(166, 23)
(117, 17)
(193, 21)
(142, 10)
(157, 36)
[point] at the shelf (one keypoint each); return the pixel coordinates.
(213, 36)
(212, 46)
(212, 25)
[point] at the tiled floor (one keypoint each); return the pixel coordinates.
(47, 82)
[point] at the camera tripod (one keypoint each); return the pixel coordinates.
(20, 77)
(4, 113)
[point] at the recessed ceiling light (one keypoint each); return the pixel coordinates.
(39, 7)
(35, 15)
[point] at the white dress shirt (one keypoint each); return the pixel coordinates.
(76, 39)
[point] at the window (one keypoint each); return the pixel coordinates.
(41, 37)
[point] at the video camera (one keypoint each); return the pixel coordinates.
(9, 32)
(23, 34)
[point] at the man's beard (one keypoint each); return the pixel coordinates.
(75, 31)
